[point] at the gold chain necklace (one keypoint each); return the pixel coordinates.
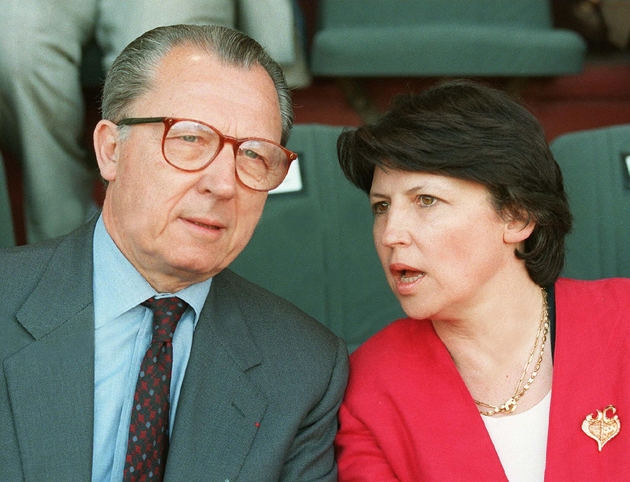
(510, 405)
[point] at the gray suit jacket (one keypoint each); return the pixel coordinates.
(259, 399)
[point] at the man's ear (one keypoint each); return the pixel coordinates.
(107, 147)
(518, 229)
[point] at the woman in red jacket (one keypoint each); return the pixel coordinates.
(501, 371)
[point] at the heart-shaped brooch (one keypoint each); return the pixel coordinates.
(602, 428)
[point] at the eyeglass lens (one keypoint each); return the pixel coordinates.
(259, 164)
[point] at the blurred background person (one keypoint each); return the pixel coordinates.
(41, 102)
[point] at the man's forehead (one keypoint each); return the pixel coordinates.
(190, 63)
(192, 82)
(189, 57)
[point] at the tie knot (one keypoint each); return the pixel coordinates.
(166, 314)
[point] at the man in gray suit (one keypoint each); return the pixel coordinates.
(195, 119)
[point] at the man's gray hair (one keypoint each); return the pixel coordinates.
(132, 73)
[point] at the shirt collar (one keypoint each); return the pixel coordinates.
(119, 287)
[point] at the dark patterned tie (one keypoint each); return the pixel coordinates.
(147, 446)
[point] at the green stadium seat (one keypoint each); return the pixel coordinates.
(596, 169)
(314, 246)
(509, 38)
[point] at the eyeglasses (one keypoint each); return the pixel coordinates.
(191, 145)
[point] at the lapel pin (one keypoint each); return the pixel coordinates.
(602, 428)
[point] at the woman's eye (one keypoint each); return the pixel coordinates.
(380, 207)
(426, 201)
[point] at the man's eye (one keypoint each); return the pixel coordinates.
(380, 207)
(189, 138)
(426, 201)
(250, 153)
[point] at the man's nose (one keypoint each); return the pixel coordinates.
(219, 177)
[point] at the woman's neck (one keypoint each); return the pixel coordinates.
(491, 343)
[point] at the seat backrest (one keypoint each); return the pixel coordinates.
(314, 246)
(7, 235)
(596, 169)
(437, 38)
(399, 13)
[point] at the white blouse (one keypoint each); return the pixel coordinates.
(521, 441)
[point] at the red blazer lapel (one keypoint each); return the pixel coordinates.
(459, 445)
(417, 408)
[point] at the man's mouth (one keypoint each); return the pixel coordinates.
(207, 226)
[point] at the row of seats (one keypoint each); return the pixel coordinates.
(359, 38)
(513, 38)
(314, 245)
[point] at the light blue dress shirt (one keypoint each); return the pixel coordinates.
(123, 332)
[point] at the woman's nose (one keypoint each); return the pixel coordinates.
(394, 228)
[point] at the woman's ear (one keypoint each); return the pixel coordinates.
(518, 228)
(107, 147)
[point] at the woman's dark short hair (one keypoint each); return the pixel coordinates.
(467, 130)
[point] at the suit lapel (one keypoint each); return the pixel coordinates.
(219, 408)
(51, 381)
